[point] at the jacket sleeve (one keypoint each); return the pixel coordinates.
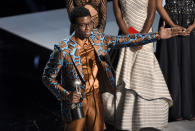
(130, 40)
(51, 71)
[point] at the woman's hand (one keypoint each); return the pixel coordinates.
(189, 29)
(179, 30)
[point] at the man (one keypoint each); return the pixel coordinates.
(82, 56)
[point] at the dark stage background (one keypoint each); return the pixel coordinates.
(26, 105)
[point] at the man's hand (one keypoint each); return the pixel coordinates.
(74, 97)
(166, 33)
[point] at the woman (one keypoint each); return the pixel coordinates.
(146, 99)
(176, 57)
(97, 9)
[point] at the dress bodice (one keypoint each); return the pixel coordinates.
(181, 8)
(134, 12)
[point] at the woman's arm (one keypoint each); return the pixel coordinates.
(119, 18)
(102, 15)
(190, 28)
(166, 17)
(150, 16)
(164, 13)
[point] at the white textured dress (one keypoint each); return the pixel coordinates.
(146, 100)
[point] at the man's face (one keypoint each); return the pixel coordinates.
(84, 26)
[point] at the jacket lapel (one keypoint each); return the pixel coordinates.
(73, 53)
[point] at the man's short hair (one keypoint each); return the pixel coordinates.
(77, 12)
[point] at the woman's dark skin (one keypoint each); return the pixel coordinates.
(164, 13)
(167, 18)
(148, 22)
